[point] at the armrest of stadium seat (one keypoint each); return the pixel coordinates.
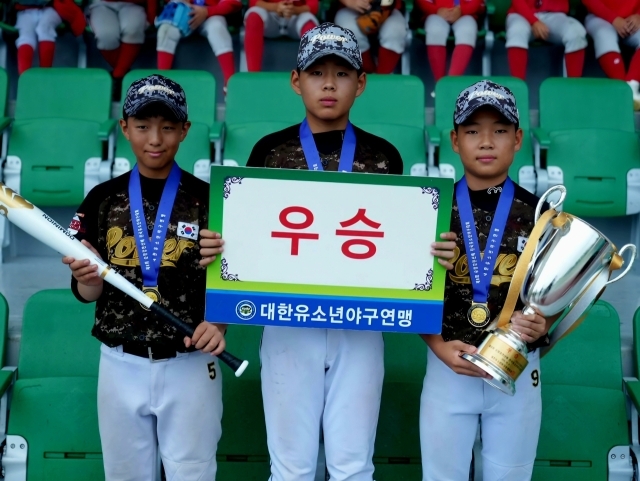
(216, 137)
(7, 379)
(632, 388)
(433, 134)
(541, 137)
(106, 129)
(491, 8)
(5, 122)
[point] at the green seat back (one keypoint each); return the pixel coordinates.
(58, 114)
(392, 107)
(498, 20)
(593, 143)
(397, 448)
(242, 452)
(447, 91)
(257, 104)
(583, 405)
(636, 343)
(54, 399)
(4, 329)
(200, 89)
(4, 91)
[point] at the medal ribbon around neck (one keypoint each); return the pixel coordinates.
(481, 269)
(150, 248)
(347, 154)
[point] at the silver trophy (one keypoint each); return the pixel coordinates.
(570, 264)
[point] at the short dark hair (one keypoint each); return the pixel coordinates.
(154, 109)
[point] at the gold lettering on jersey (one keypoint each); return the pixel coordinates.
(503, 269)
(125, 252)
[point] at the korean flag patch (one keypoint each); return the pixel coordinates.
(189, 231)
(522, 243)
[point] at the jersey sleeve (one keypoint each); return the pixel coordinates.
(600, 9)
(521, 7)
(473, 8)
(429, 7)
(85, 226)
(224, 7)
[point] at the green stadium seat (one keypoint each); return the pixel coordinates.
(442, 156)
(205, 135)
(257, 104)
(7, 374)
(632, 388)
(61, 135)
(398, 118)
(397, 450)
(584, 417)
(53, 423)
(591, 146)
(242, 451)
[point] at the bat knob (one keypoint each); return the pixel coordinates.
(241, 369)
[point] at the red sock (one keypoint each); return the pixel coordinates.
(25, 57)
(45, 53)
(254, 41)
(437, 55)
(634, 67)
(111, 56)
(518, 59)
(460, 59)
(574, 62)
(128, 54)
(612, 65)
(227, 65)
(368, 65)
(387, 60)
(306, 27)
(165, 60)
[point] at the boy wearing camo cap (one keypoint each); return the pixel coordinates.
(491, 214)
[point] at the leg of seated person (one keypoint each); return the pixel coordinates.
(634, 67)
(518, 38)
(258, 23)
(567, 31)
(437, 30)
(106, 28)
(393, 34)
(347, 18)
(465, 30)
(605, 41)
(46, 32)
(26, 23)
(168, 38)
(217, 33)
(133, 21)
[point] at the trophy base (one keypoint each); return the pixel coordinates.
(499, 379)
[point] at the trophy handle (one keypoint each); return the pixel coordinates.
(552, 205)
(626, 247)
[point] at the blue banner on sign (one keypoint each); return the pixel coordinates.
(360, 314)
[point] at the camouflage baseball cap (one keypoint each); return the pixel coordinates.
(485, 93)
(329, 39)
(155, 88)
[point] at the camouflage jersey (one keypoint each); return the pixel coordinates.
(283, 150)
(104, 219)
(458, 294)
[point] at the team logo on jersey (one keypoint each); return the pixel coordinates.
(245, 310)
(76, 225)
(189, 231)
(522, 243)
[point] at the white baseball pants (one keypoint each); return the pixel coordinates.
(37, 25)
(115, 22)
(174, 405)
(319, 378)
(465, 30)
(213, 28)
(563, 30)
(277, 26)
(605, 37)
(392, 33)
(452, 405)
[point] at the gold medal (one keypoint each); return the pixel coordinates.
(478, 315)
(153, 293)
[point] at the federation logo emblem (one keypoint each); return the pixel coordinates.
(245, 310)
(75, 226)
(189, 231)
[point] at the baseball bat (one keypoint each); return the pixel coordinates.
(37, 224)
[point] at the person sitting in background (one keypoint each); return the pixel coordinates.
(36, 22)
(119, 27)
(544, 20)
(381, 18)
(608, 23)
(206, 17)
(442, 17)
(275, 18)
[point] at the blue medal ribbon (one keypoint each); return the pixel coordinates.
(347, 154)
(150, 248)
(481, 269)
